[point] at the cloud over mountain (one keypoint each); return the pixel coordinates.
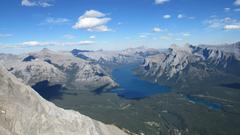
(93, 20)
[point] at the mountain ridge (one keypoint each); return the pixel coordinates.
(57, 68)
(195, 62)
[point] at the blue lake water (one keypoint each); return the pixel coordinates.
(131, 86)
(211, 105)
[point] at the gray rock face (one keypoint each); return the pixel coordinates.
(230, 49)
(37, 71)
(127, 56)
(24, 112)
(192, 62)
(57, 68)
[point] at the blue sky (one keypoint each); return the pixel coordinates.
(29, 25)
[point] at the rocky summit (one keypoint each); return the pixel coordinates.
(24, 112)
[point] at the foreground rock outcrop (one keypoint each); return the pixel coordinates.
(24, 112)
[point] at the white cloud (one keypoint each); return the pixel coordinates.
(92, 37)
(232, 27)
(101, 28)
(32, 43)
(5, 35)
(5, 46)
(93, 20)
(28, 3)
(120, 23)
(237, 2)
(93, 13)
(86, 42)
(39, 3)
(166, 37)
(157, 29)
(186, 34)
(180, 16)
(43, 44)
(144, 35)
(167, 16)
(161, 1)
(222, 23)
(227, 9)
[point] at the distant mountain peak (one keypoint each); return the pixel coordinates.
(185, 48)
(46, 50)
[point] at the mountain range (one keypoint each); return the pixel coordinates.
(131, 55)
(24, 111)
(57, 68)
(187, 63)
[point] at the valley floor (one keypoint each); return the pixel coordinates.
(165, 113)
